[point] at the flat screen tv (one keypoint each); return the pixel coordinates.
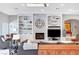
(54, 32)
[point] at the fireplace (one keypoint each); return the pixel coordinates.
(39, 36)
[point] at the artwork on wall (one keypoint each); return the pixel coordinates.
(67, 26)
(39, 20)
(39, 23)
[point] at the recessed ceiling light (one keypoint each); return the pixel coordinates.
(61, 4)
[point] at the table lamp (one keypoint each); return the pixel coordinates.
(16, 37)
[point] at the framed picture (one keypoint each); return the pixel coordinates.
(67, 26)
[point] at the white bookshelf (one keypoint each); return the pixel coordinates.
(25, 27)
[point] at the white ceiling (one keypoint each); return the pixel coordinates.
(19, 8)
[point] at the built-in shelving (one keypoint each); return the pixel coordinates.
(25, 25)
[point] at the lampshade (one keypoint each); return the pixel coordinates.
(16, 37)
